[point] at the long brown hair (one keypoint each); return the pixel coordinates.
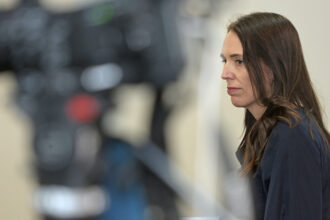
(270, 39)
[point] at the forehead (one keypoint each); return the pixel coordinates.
(232, 44)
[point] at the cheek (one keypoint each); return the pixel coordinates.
(247, 86)
(249, 91)
(248, 95)
(244, 99)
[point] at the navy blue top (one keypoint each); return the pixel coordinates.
(292, 180)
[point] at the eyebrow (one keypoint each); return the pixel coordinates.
(232, 55)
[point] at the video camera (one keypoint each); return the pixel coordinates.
(67, 65)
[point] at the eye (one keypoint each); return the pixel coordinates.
(239, 61)
(224, 60)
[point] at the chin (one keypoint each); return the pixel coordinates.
(241, 102)
(239, 105)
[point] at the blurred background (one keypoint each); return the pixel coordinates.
(116, 109)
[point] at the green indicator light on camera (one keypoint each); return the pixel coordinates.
(102, 14)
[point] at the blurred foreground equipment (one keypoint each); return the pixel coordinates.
(67, 66)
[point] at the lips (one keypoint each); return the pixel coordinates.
(232, 90)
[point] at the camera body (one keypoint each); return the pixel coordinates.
(67, 65)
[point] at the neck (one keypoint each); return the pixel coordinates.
(257, 111)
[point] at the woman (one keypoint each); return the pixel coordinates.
(285, 148)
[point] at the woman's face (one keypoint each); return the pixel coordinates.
(235, 73)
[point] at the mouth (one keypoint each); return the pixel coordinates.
(232, 90)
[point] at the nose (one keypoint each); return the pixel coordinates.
(226, 72)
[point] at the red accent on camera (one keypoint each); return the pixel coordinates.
(83, 108)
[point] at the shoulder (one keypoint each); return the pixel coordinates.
(304, 134)
(283, 133)
(295, 144)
